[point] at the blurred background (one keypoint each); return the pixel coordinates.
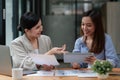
(61, 19)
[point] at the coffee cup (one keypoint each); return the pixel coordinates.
(17, 73)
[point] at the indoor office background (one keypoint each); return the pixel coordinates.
(60, 18)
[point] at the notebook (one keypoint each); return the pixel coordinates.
(75, 57)
(6, 62)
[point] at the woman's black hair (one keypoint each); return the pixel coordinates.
(27, 21)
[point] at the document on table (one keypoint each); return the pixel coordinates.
(87, 73)
(43, 73)
(44, 59)
(79, 73)
(66, 72)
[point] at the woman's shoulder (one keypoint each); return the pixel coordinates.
(44, 37)
(20, 38)
(107, 36)
(80, 39)
(18, 41)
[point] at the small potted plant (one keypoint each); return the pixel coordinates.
(102, 67)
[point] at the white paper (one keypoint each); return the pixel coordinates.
(43, 73)
(79, 73)
(44, 59)
(87, 73)
(46, 73)
(66, 72)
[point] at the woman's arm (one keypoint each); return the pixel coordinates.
(18, 54)
(110, 52)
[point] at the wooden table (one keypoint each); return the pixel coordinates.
(111, 77)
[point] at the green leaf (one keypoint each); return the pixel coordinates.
(102, 66)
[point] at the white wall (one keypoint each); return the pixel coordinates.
(9, 33)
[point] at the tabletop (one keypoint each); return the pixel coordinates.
(114, 76)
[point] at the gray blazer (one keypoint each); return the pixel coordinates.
(21, 47)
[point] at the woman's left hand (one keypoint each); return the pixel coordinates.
(90, 59)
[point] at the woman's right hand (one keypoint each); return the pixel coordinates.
(57, 50)
(38, 66)
(47, 67)
(75, 65)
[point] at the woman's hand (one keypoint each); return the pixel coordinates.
(47, 67)
(90, 59)
(38, 66)
(75, 65)
(57, 50)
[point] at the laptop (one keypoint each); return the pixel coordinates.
(75, 57)
(6, 62)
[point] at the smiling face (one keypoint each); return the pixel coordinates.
(35, 31)
(87, 26)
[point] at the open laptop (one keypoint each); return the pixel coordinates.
(6, 62)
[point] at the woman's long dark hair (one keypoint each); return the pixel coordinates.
(98, 43)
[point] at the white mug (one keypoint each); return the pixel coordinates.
(17, 73)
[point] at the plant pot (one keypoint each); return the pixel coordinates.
(103, 76)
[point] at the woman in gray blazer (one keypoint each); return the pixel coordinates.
(31, 42)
